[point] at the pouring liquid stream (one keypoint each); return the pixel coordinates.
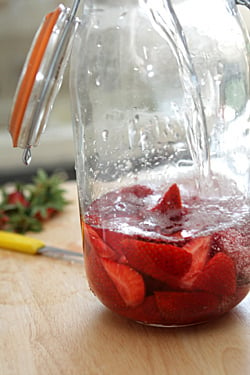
(167, 24)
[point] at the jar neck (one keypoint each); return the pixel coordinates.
(109, 3)
(90, 6)
(116, 3)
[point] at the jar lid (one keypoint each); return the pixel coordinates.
(41, 77)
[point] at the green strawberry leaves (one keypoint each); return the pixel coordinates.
(24, 207)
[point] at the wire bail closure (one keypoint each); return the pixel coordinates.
(42, 77)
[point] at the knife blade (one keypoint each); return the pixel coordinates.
(33, 246)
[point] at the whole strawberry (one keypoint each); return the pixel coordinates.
(17, 197)
(24, 208)
(46, 196)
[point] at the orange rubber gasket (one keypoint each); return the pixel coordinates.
(28, 80)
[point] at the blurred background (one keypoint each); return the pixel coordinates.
(19, 20)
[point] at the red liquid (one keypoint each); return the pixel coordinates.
(147, 260)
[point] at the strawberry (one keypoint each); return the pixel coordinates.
(186, 307)
(170, 201)
(26, 207)
(93, 239)
(112, 239)
(17, 197)
(218, 276)
(100, 283)
(162, 261)
(46, 214)
(147, 312)
(127, 281)
(153, 285)
(3, 219)
(199, 249)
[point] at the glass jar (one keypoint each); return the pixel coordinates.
(160, 105)
(162, 157)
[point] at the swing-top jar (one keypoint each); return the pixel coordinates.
(160, 106)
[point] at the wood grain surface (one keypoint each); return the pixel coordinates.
(51, 324)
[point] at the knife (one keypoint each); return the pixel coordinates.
(29, 245)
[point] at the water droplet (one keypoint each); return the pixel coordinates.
(131, 133)
(165, 131)
(98, 82)
(151, 74)
(77, 120)
(145, 52)
(220, 67)
(27, 156)
(123, 15)
(105, 135)
(246, 132)
(184, 163)
(203, 82)
(174, 107)
(128, 165)
(137, 118)
(144, 140)
(218, 78)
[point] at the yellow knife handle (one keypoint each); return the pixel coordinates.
(20, 242)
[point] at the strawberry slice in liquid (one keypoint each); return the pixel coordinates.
(148, 278)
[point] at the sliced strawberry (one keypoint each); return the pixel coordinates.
(152, 285)
(218, 276)
(147, 312)
(100, 282)
(170, 201)
(199, 250)
(160, 260)
(186, 307)
(112, 238)
(127, 281)
(94, 240)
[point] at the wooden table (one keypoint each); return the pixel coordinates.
(51, 324)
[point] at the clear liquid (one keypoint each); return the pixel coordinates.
(167, 24)
(131, 215)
